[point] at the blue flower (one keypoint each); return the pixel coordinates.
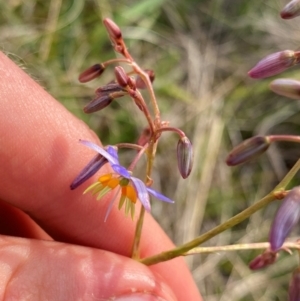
(131, 188)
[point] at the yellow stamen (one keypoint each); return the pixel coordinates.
(94, 185)
(122, 200)
(132, 208)
(130, 193)
(108, 181)
(105, 178)
(127, 207)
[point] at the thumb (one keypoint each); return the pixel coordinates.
(46, 270)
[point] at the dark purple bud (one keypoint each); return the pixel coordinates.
(121, 76)
(90, 169)
(140, 83)
(286, 218)
(263, 260)
(248, 150)
(185, 156)
(99, 103)
(294, 287)
(91, 73)
(291, 10)
(111, 87)
(286, 87)
(112, 29)
(273, 64)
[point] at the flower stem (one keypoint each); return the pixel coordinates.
(137, 235)
(138, 230)
(288, 177)
(239, 247)
(116, 61)
(287, 138)
(179, 251)
(148, 83)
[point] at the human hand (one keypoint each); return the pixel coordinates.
(83, 258)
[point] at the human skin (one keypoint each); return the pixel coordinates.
(55, 244)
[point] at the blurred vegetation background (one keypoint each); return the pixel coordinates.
(201, 52)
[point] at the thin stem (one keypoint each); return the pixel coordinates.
(137, 235)
(288, 177)
(139, 100)
(240, 247)
(138, 157)
(171, 129)
(148, 83)
(288, 138)
(139, 225)
(116, 61)
(129, 145)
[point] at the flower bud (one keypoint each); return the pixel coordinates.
(263, 260)
(111, 87)
(89, 170)
(112, 29)
(91, 73)
(273, 64)
(247, 150)
(294, 287)
(121, 76)
(291, 10)
(286, 87)
(99, 103)
(185, 156)
(286, 218)
(140, 83)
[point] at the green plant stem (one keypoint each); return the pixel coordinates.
(288, 177)
(164, 256)
(179, 251)
(137, 235)
(148, 83)
(139, 225)
(239, 247)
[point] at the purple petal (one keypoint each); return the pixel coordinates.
(110, 206)
(121, 170)
(89, 170)
(113, 151)
(142, 193)
(294, 287)
(159, 196)
(286, 218)
(273, 64)
(100, 150)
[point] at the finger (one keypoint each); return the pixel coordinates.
(41, 270)
(15, 222)
(39, 158)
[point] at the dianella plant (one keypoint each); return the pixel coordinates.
(128, 79)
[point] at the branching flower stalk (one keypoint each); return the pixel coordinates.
(124, 84)
(132, 189)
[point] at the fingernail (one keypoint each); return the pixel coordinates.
(140, 297)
